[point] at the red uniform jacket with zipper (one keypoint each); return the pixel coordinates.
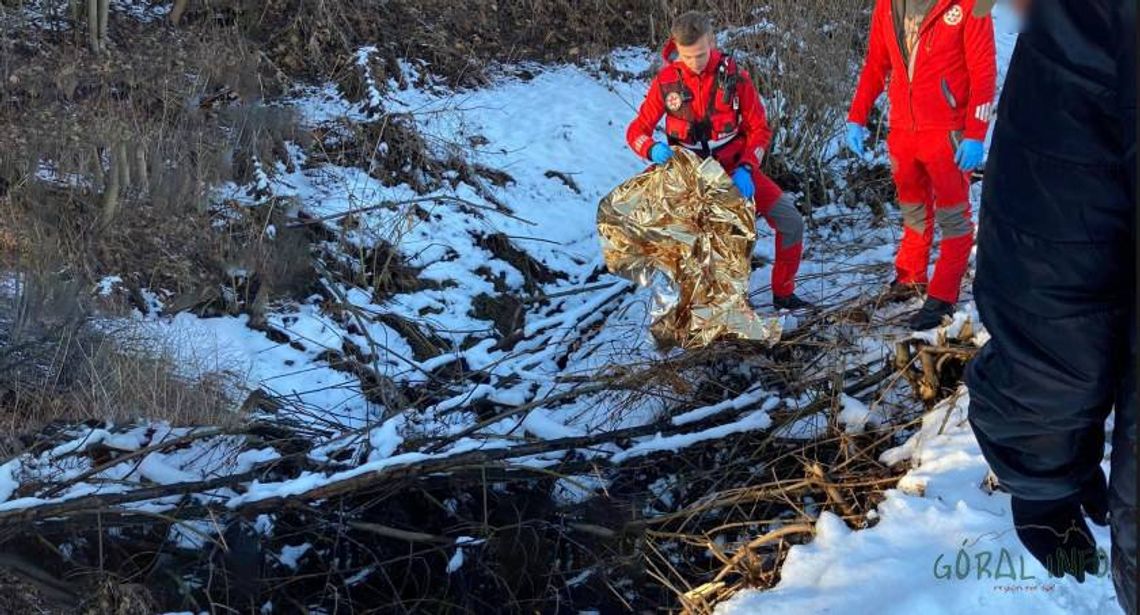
(739, 130)
(950, 83)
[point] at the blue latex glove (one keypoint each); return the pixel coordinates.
(660, 153)
(742, 177)
(969, 154)
(856, 135)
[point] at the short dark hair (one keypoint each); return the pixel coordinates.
(690, 27)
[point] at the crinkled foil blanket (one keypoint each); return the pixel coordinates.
(683, 230)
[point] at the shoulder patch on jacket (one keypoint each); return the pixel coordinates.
(953, 15)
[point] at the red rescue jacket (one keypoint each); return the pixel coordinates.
(954, 68)
(736, 130)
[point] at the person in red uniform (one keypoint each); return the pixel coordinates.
(712, 108)
(940, 59)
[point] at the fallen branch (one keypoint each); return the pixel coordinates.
(186, 439)
(777, 534)
(398, 534)
(397, 204)
(355, 480)
(107, 501)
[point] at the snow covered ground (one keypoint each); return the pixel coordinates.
(943, 544)
(541, 125)
(569, 120)
(565, 119)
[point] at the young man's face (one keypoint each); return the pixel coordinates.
(696, 56)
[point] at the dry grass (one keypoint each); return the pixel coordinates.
(110, 159)
(808, 55)
(57, 369)
(460, 39)
(19, 595)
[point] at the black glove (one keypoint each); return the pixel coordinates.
(1055, 532)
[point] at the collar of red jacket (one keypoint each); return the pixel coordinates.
(669, 54)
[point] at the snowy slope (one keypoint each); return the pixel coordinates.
(568, 119)
(943, 544)
(565, 119)
(571, 121)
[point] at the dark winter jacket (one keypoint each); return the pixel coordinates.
(1056, 265)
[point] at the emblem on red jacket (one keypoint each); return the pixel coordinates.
(953, 16)
(673, 101)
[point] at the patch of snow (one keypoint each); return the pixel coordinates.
(749, 398)
(290, 554)
(577, 489)
(107, 285)
(154, 467)
(539, 423)
(855, 416)
(8, 483)
(191, 535)
(456, 561)
(751, 422)
(386, 438)
(807, 427)
(951, 549)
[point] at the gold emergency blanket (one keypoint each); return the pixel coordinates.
(683, 230)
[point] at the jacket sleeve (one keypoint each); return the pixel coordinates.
(639, 134)
(876, 67)
(981, 64)
(753, 122)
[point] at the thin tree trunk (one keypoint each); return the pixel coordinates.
(99, 176)
(124, 163)
(178, 10)
(104, 14)
(110, 205)
(142, 177)
(93, 24)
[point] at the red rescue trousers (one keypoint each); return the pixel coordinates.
(931, 190)
(780, 212)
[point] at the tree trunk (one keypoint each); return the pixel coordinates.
(98, 175)
(177, 11)
(142, 177)
(104, 13)
(93, 24)
(110, 205)
(124, 163)
(75, 13)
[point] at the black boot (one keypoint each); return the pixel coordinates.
(791, 302)
(903, 291)
(931, 314)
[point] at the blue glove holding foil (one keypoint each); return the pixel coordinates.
(742, 177)
(660, 153)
